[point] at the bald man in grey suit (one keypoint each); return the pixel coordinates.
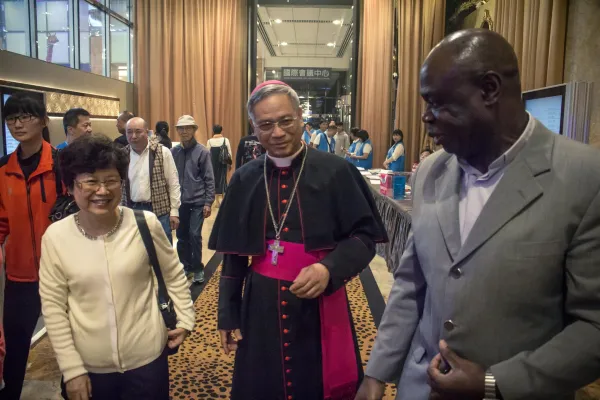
(498, 293)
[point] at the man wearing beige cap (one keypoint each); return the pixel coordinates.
(197, 195)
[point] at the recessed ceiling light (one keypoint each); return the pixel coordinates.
(330, 44)
(283, 43)
(273, 72)
(278, 21)
(337, 22)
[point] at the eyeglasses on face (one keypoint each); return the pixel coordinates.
(285, 123)
(93, 185)
(12, 119)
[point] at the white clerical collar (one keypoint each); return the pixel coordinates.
(285, 161)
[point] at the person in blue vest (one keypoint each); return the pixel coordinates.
(354, 140)
(395, 156)
(325, 141)
(307, 134)
(315, 133)
(363, 155)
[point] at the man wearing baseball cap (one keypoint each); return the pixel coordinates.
(197, 195)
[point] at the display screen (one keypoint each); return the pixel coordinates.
(548, 110)
(10, 142)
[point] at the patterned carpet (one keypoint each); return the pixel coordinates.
(201, 371)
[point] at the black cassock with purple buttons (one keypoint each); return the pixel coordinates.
(280, 356)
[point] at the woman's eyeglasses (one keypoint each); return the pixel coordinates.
(11, 120)
(284, 123)
(93, 186)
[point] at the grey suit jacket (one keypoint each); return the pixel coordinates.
(522, 293)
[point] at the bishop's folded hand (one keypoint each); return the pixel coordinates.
(229, 340)
(311, 282)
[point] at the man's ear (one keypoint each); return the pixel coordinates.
(491, 88)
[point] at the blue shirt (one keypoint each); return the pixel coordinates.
(62, 145)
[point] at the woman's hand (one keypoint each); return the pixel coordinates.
(79, 388)
(386, 165)
(176, 337)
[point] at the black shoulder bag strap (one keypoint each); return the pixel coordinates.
(142, 224)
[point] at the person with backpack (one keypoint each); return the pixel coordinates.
(220, 151)
(249, 149)
(193, 162)
(27, 196)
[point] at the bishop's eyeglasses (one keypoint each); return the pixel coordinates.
(285, 123)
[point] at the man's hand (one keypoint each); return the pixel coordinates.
(370, 389)
(466, 380)
(174, 221)
(311, 282)
(207, 211)
(176, 337)
(79, 388)
(229, 340)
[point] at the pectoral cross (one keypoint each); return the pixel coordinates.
(275, 250)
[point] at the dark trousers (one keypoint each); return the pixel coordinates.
(22, 309)
(189, 237)
(150, 382)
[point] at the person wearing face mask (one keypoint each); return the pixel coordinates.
(77, 123)
(197, 182)
(27, 195)
(152, 183)
(310, 225)
(97, 285)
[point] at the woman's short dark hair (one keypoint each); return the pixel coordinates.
(27, 104)
(162, 126)
(354, 130)
(363, 135)
(217, 129)
(90, 153)
(398, 132)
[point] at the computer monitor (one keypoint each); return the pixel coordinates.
(548, 106)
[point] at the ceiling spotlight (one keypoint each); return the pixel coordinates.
(337, 22)
(283, 44)
(330, 44)
(273, 72)
(278, 21)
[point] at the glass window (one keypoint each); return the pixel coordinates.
(92, 45)
(120, 43)
(53, 32)
(121, 7)
(14, 26)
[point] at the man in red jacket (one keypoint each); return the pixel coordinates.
(27, 194)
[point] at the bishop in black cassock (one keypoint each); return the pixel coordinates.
(297, 339)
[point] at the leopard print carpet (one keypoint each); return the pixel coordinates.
(200, 370)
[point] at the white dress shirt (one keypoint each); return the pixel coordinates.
(139, 178)
(476, 188)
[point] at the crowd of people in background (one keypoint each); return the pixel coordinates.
(174, 188)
